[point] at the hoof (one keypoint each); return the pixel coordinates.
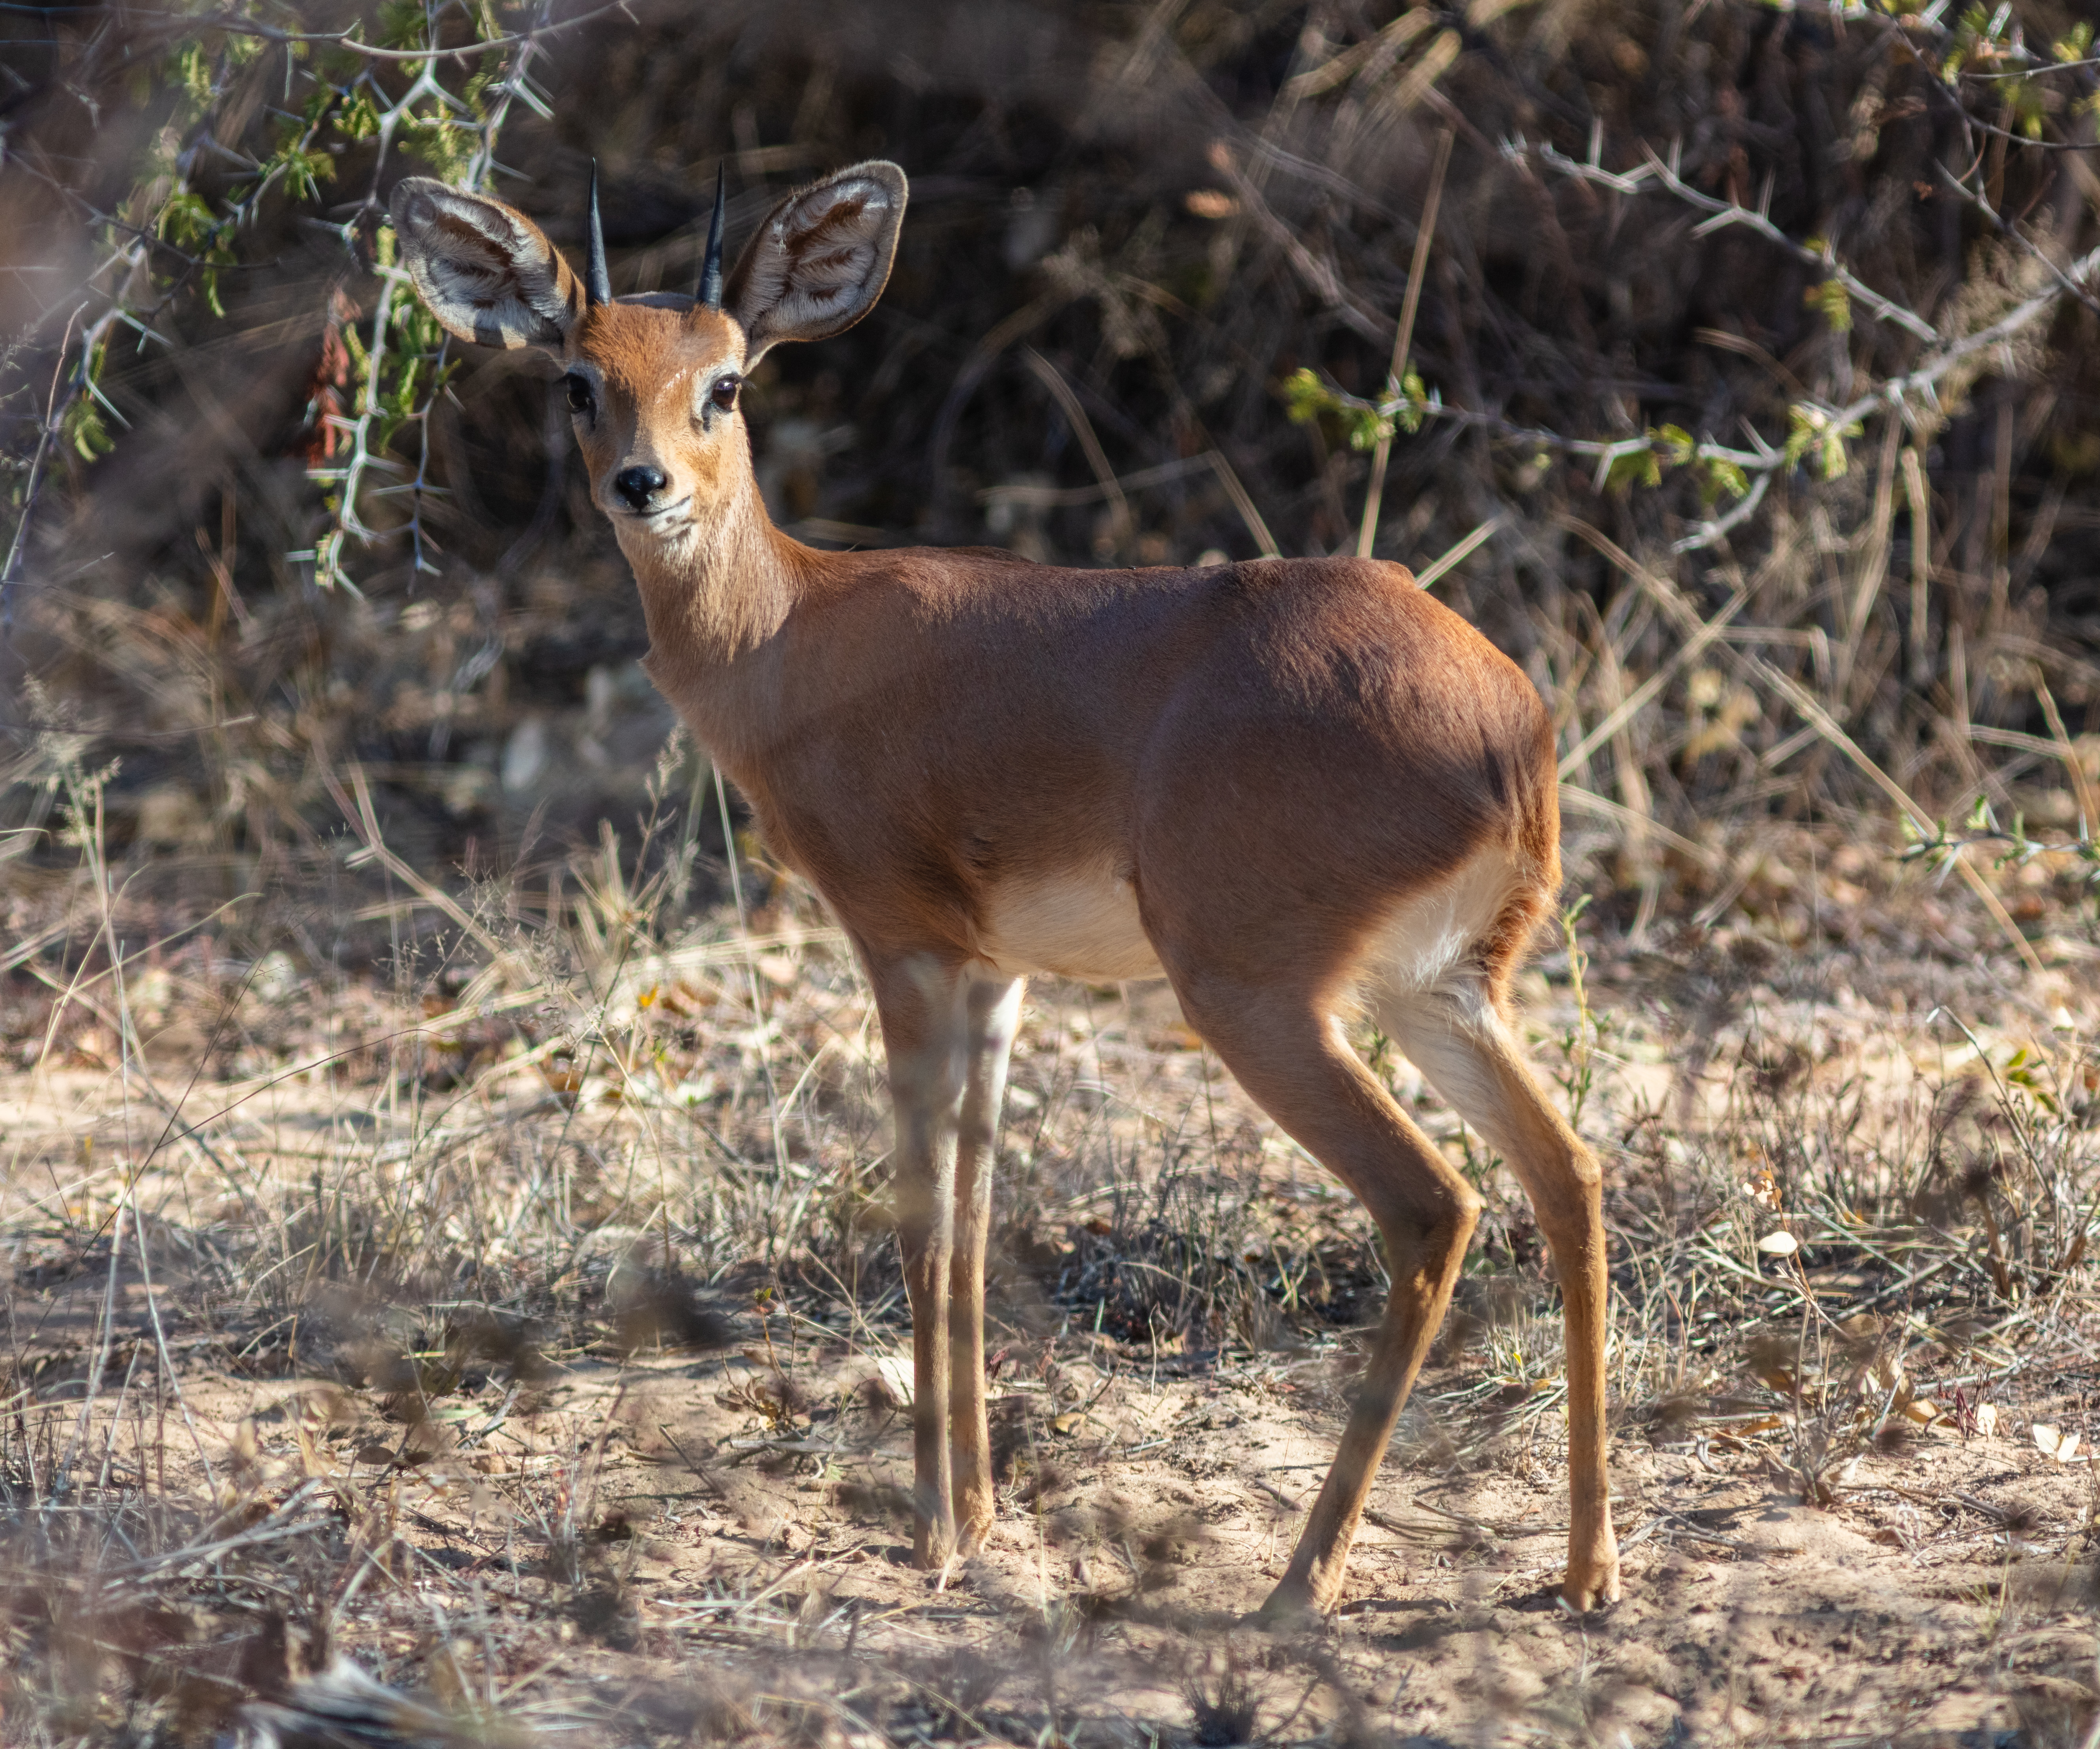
(1290, 1606)
(932, 1549)
(1594, 1591)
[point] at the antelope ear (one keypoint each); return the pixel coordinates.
(487, 272)
(820, 260)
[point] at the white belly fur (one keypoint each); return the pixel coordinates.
(1078, 924)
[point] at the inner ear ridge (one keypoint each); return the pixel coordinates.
(484, 288)
(838, 267)
(853, 222)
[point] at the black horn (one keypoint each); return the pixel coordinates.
(711, 274)
(597, 283)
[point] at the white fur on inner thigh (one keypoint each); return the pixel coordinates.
(1080, 923)
(1428, 989)
(1429, 937)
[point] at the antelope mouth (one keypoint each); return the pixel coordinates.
(659, 512)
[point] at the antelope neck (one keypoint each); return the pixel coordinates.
(717, 592)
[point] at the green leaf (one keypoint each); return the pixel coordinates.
(1415, 398)
(1804, 426)
(1637, 467)
(417, 328)
(2027, 106)
(1675, 443)
(403, 24)
(1305, 397)
(1809, 428)
(1831, 297)
(84, 429)
(193, 72)
(444, 144)
(186, 220)
(358, 119)
(1721, 475)
(1367, 430)
(305, 172)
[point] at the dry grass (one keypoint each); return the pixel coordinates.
(529, 1329)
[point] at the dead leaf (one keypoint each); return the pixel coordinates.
(2054, 1442)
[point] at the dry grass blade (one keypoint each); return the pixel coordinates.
(1812, 711)
(1403, 338)
(1455, 556)
(1082, 428)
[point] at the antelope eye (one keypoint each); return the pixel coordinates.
(580, 393)
(723, 394)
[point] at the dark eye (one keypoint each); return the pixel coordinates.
(580, 393)
(723, 394)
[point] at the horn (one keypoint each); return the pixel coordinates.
(711, 272)
(597, 283)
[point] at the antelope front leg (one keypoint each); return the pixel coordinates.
(993, 1010)
(921, 1001)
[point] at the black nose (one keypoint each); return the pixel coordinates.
(638, 486)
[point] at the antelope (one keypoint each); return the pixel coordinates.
(1300, 790)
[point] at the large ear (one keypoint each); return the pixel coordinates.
(820, 260)
(487, 272)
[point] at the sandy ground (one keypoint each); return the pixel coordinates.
(709, 1543)
(631, 1541)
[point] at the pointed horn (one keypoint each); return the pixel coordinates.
(597, 283)
(711, 269)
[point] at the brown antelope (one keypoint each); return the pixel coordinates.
(1298, 789)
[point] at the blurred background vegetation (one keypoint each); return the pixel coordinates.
(286, 573)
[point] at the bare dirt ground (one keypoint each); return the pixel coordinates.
(536, 1373)
(1946, 1592)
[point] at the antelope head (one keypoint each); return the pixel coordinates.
(653, 379)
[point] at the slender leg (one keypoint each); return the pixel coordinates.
(1462, 1046)
(920, 1001)
(1295, 1060)
(993, 1011)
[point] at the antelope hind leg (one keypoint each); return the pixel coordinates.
(1466, 1050)
(1295, 1062)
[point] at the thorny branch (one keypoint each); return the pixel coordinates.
(1816, 427)
(1725, 213)
(397, 303)
(387, 398)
